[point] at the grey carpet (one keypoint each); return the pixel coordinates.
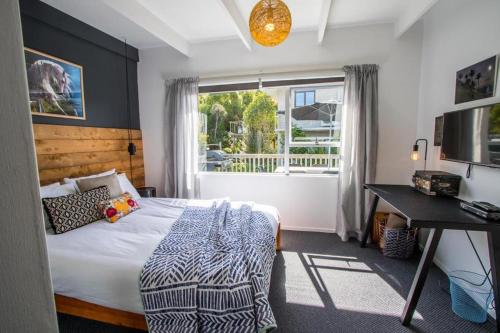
(321, 284)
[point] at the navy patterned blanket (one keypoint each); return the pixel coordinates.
(211, 273)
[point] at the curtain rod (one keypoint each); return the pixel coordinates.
(270, 76)
(269, 84)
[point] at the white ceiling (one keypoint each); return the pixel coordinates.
(104, 18)
(356, 12)
(152, 23)
(195, 20)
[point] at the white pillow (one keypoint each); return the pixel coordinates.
(50, 185)
(73, 180)
(127, 186)
(54, 191)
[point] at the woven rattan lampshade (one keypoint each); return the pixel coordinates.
(270, 22)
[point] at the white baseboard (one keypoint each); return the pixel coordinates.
(308, 229)
(436, 261)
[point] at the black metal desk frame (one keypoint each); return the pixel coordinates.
(437, 214)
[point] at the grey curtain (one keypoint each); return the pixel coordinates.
(181, 138)
(359, 147)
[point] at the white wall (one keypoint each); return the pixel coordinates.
(304, 202)
(458, 33)
(399, 83)
(26, 296)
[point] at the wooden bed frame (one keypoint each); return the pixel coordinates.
(74, 151)
(75, 307)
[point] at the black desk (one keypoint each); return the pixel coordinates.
(436, 213)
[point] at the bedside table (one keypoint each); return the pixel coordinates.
(147, 191)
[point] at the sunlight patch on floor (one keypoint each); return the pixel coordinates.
(347, 263)
(299, 285)
(341, 282)
(389, 275)
(362, 292)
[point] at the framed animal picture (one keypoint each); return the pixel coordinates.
(477, 81)
(55, 86)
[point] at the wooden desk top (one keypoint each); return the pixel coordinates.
(424, 211)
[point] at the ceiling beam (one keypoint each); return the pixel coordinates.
(239, 23)
(143, 17)
(326, 7)
(414, 12)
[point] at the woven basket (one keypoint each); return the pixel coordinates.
(380, 219)
(399, 243)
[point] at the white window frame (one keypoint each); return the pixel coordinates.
(289, 103)
(290, 100)
(288, 111)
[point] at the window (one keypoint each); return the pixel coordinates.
(303, 98)
(273, 130)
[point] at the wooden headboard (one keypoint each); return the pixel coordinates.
(75, 151)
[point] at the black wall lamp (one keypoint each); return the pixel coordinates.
(415, 156)
(132, 149)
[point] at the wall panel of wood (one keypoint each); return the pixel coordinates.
(75, 151)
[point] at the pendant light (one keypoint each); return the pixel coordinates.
(270, 22)
(131, 146)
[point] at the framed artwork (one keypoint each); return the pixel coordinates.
(477, 81)
(55, 86)
(438, 130)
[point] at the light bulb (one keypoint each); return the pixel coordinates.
(269, 27)
(414, 156)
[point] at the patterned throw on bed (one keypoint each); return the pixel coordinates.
(211, 273)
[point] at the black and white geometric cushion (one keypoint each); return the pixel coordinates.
(75, 210)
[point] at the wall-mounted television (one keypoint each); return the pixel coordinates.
(472, 136)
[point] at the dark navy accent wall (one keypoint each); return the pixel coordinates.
(102, 57)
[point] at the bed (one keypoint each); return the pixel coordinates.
(95, 269)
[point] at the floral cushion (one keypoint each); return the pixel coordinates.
(116, 208)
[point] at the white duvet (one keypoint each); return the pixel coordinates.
(100, 263)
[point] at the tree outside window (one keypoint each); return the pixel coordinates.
(245, 131)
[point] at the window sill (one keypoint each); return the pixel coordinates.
(252, 174)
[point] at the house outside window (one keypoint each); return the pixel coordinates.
(272, 130)
(303, 98)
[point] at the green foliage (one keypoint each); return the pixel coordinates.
(312, 150)
(256, 109)
(218, 111)
(240, 167)
(495, 120)
(233, 104)
(259, 119)
(299, 133)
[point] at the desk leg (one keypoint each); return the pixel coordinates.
(369, 221)
(419, 279)
(494, 251)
